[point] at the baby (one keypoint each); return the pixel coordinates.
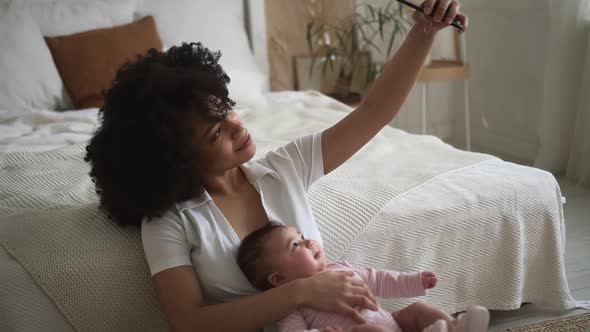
(276, 254)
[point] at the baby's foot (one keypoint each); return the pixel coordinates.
(475, 319)
(438, 326)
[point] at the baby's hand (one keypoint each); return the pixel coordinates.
(428, 279)
(333, 329)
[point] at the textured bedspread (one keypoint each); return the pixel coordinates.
(492, 230)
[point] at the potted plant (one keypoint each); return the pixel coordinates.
(344, 45)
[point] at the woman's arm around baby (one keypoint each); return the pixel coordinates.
(182, 300)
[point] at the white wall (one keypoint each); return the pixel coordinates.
(507, 44)
(506, 47)
(442, 98)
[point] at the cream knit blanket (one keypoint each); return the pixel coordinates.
(490, 229)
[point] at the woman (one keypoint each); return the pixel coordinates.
(170, 155)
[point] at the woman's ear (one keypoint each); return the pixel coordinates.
(275, 279)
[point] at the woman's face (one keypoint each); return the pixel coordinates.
(224, 144)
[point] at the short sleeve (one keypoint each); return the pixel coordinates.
(392, 284)
(306, 156)
(165, 243)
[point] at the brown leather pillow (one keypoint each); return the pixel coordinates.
(88, 61)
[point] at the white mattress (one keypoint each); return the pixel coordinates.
(491, 230)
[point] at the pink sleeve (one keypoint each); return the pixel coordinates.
(388, 284)
(294, 323)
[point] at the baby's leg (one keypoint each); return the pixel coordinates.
(417, 316)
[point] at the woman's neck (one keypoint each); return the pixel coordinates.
(225, 183)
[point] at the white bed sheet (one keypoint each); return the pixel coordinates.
(43, 130)
(492, 230)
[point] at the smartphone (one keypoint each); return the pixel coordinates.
(456, 23)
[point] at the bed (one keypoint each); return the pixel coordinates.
(492, 230)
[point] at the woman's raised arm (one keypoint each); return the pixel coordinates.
(389, 92)
(182, 301)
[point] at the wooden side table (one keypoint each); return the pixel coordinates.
(443, 70)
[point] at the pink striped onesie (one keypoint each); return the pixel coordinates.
(383, 283)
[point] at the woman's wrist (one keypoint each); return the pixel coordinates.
(420, 31)
(298, 292)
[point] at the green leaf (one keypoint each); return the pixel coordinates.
(341, 40)
(313, 58)
(381, 25)
(389, 6)
(364, 23)
(368, 41)
(328, 62)
(354, 38)
(392, 39)
(324, 67)
(371, 73)
(308, 35)
(372, 11)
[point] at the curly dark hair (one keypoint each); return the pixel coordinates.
(250, 256)
(142, 156)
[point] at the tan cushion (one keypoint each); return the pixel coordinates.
(88, 61)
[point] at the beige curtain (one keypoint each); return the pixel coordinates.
(564, 130)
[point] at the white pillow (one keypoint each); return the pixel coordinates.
(28, 76)
(65, 17)
(248, 89)
(219, 25)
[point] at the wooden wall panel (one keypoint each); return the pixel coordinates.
(286, 28)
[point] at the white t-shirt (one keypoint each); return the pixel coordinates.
(196, 233)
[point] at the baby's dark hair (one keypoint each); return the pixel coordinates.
(142, 156)
(251, 256)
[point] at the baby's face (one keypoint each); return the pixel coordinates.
(294, 256)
